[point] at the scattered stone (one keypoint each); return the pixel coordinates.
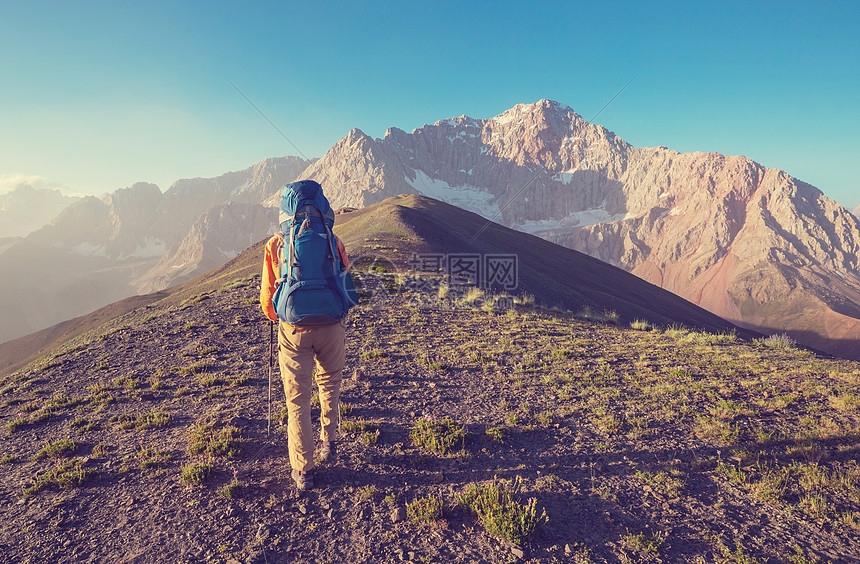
(518, 551)
(398, 514)
(233, 561)
(398, 552)
(568, 550)
(330, 514)
(303, 509)
(263, 532)
(411, 555)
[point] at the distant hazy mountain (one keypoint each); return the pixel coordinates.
(751, 244)
(25, 209)
(99, 250)
(856, 210)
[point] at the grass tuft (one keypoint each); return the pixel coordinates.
(500, 513)
(438, 436)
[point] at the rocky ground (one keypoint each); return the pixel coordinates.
(146, 441)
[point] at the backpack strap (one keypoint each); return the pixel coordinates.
(291, 252)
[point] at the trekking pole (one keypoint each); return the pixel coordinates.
(271, 354)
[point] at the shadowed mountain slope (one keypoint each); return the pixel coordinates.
(402, 225)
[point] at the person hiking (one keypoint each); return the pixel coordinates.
(307, 289)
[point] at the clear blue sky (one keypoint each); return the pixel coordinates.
(98, 95)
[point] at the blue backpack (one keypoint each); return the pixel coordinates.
(315, 287)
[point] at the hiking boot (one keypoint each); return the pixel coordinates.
(304, 480)
(328, 452)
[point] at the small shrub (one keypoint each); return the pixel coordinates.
(438, 436)
(17, 423)
(525, 300)
(62, 402)
(499, 434)
(231, 490)
(640, 325)
(591, 315)
(240, 380)
(57, 449)
(473, 296)
(371, 354)
(676, 331)
(642, 543)
(124, 421)
(195, 473)
(425, 510)
(781, 341)
(8, 459)
(153, 420)
(367, 492)
(128, 382)
(198, 368)
(358, 426)
(499, 513)
(211, 380)
(151, 458)
(226, 442)
(66, 474)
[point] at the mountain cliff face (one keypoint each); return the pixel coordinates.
(751, 244)
(26, 208)
(100, 250)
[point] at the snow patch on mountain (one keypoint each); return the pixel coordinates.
(87, 250)
(467, 197)
(153, 248)
(565, 177)
(583, 218)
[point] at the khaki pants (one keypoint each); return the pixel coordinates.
(297, 352)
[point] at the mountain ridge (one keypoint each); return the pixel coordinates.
(392, 233)
(710, 227)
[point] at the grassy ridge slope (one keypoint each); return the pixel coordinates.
(146, 441)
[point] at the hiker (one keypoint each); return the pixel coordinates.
(307, 288)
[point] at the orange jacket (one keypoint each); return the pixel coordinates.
(272, 269)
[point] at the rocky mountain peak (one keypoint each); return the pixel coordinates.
(749, 243)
